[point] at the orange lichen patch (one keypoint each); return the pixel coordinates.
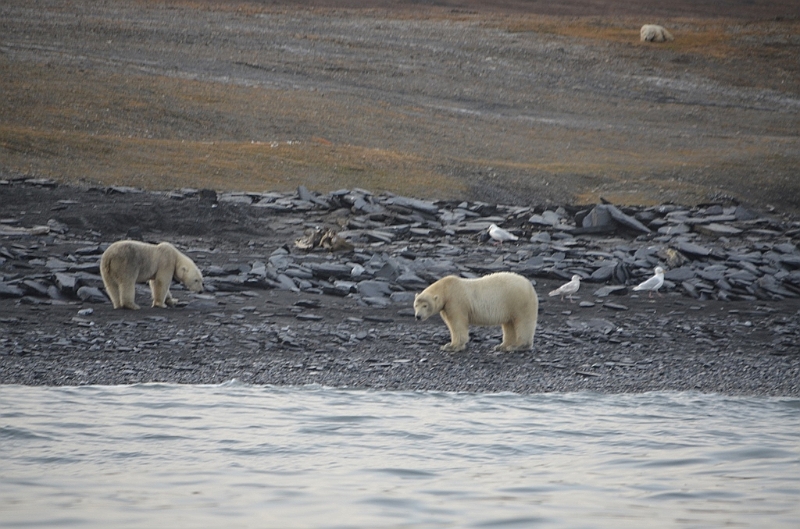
(719, 38)
(226, 165)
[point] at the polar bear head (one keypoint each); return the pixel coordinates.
(426, 305)
(190, 276)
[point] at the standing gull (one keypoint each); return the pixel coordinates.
(654, 283)
(501, 235)
(568, 289)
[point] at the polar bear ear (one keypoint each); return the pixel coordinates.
(436, 297)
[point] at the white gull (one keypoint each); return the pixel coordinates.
(652, 284)
(567, 289)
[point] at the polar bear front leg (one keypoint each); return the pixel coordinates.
(459, 332)
(160, 291)
(169, 300)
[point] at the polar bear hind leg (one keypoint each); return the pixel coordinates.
(113, 292)
(526, 328)
(127, 295)
(509, 337)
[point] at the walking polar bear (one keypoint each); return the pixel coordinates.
(504, 298)
(126, 263)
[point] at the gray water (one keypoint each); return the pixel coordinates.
(232, 455)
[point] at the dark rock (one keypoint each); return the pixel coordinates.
(328, 270)
(614, 306)
(717, 230)
(420, 205)
(542, 236)
(66, 283)
(304, 194)
(616, 290)
(626, 220)
(621, 273)
(379, 236)
(286, 283)
(697, 221)
(675, 229)
(689, 248)
(603, 274)
(92, 295)
(334, 290)
(599, 217)
(57, 264)
(389, 271)
(123, 190)
(679, 274)
(791, 261)
(35, 288)
(744, 214)
(712, 273)
(308, 316)
(403, 298)
(10, 291)
(89, 250)
(769, 284)
(235, 198)
(690, 289)
(57, 227)
(41, 182)
(411, 281)
(374, 289)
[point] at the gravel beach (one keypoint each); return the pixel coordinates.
(323, 162)
(727, 319)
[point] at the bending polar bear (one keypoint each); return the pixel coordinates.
(126, 263)
(654, 33)
(503, 298)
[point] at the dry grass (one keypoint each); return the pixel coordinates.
(126, 127)
(226, 165)
(729, 39)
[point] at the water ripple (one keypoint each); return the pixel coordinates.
(241, 456)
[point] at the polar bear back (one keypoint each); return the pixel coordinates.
(498, 298)
(125, 259)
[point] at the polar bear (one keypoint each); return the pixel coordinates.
(654, 33)
(126, 263)
(503, 298)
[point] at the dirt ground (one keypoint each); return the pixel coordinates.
(512, 102)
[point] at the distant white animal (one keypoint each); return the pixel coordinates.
(652, 284)
(655, 33)
(568, 289)
(500, 235)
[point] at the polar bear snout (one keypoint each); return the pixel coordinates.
(422, 308)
